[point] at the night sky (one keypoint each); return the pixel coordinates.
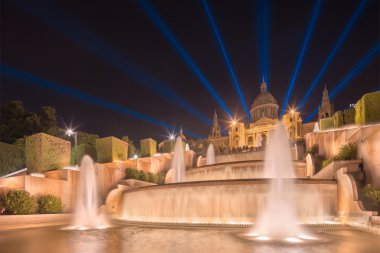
(36, 43)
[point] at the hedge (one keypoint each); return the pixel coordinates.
(338, 119)
(145, 176)
(148, 147)
(349, 116)
(44, 152)
(132, 174)
(12, 158)
(153, 178)
(111, 149)
(326, 123)
(367, 109)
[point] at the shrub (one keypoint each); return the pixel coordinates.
(328, 161)
(348, 152)
(301, 141)
(49, 204)
(132, 174)
(153, 178)
(372, 193)
(313, 150)
(161, 177)
(19, 202)
(144, 176)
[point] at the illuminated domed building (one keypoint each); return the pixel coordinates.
(264, 114)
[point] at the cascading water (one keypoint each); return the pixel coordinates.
(279, 199)
(210, 155)
(86, 213)
(316, 127)
(278, 220)
(199, 160)
(178, 163)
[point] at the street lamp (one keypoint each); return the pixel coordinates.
(171, 137)
(70, 132)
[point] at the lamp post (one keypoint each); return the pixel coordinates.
(70, 132)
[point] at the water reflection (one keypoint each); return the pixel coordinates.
(153, 240)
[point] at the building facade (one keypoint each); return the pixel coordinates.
(264, 114)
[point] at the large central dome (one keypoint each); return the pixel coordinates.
(264, 105)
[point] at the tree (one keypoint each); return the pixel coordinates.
(48, 118)
(17, 122)
(86, 138)
(131, 147)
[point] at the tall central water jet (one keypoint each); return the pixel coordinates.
(210, 155)
(87, 214)
(278, 220)
(178, 163)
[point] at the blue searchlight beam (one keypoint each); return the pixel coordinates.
(309, 32)
(153, 15)
(330, 57)
(226, 58)
(24, 76)
(262, 27)
(58, 20)
(345, 81)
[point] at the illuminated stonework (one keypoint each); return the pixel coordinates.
(264, 113)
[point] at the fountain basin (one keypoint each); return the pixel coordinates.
(236, 170)
(225, 201)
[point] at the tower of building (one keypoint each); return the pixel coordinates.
(215, 129)
(264, 107)
(326, 109)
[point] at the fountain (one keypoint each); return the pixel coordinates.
(316, 127)
(210, 155)
(87, 214)
(178, 163)
(278, 220)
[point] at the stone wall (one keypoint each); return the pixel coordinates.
(367, 139)
(350, 209)
(63, 183)
(44, 152)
